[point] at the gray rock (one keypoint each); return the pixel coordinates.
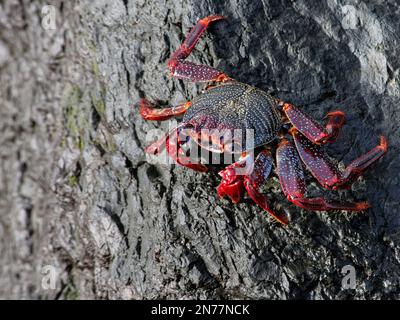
(79, 201)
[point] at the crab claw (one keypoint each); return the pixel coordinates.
(234, 190)
(233, 184)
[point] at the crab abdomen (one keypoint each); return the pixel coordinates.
(236, 105)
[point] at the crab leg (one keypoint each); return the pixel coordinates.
(357, 166)
(182, 69)
(173, 147)
(148, 112)
(291, 177)
(326, 171)
(233, 184)
(259, 176)
(315, 132)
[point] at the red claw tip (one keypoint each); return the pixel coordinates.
(286, 106)
(361, 206)
(145, 108)
(212, 18)
(384, 144)
(335, 113)
(281, 218)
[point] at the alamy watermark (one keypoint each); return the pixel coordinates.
(49, 14)
(349, 279)
(49, 277)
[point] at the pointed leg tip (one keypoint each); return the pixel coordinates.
(339, 113)
(222, 77)
(282, 219)
(361, 206)
(145, 108)
(211, 18)
(383, 143)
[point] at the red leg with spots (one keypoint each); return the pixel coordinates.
(148, 112)
(326, 171)
(291, 177)
(311, 129)
(233, 184)
(172, 144)
(357, 166)
(182, 69)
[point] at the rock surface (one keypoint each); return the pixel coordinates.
(77, 196)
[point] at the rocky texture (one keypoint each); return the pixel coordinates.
(77, 193)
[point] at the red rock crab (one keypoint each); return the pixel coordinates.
(228, 105)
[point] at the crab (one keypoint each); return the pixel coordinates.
(279, 128)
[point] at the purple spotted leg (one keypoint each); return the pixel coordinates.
(292, 179)
(326, 171)
(182, 69)
(311, 129)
